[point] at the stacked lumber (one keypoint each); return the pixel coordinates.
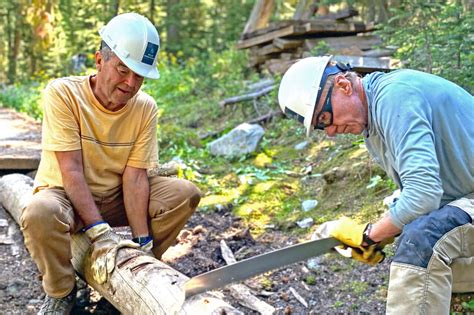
(275, 47)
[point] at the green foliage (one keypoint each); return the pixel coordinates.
(321, 49)
(434, 37)
(24, 98)
(310, 279)
(468, 306)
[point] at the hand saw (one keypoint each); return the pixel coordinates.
(252, 266)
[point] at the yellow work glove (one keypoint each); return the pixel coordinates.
(351, 234)
(104, 247)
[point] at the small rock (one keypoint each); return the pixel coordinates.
(30, 309)
(199, 229)
(305, 223)
(301, 145)
(219, 207)
(309, 204)
(284, 296)
(12, 290)
(314, 263)
(307, 170)
(288, 310)
(183, 235)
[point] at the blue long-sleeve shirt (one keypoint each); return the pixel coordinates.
(421, 131)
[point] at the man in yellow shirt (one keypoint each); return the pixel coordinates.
(99, 138)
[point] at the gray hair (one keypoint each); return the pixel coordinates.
(105, 51)
(350, 75)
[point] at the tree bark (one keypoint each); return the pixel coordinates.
(172, 25)
(140, 284)
(14, 36)
(260, 15)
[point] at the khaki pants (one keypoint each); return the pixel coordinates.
(49, 220)
(434, 259)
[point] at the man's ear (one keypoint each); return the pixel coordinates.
(98, 60)
(343, 84)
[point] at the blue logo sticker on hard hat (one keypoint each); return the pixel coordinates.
(150, 53)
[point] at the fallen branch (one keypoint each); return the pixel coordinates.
(140, 284)
(260, 84)
(246, 97)
(241, 292)
(266, 117)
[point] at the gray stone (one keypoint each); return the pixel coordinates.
(309, 204)
(241, 140)
(305, 223)
(301, 145)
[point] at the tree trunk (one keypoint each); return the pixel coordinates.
(14, 36)
(140, 284)
(261, 13)
(172, 25)
(305, 9)
(152, 12)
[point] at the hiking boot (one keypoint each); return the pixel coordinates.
(58, 306)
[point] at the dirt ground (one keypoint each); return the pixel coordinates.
(329, 284)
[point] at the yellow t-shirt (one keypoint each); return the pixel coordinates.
(73, 119)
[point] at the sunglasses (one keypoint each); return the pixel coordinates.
(320, 123)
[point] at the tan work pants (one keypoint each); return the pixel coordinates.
(49, 220)
(422, 278)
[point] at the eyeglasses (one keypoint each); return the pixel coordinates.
(327, 108)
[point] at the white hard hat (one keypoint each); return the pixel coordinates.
(299, 89)
(135, 41)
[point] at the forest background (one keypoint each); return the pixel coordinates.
(200, 66)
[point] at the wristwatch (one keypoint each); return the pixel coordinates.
(365, 236)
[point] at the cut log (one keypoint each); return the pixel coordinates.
(140, 284)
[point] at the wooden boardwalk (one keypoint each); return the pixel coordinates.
(20, 141)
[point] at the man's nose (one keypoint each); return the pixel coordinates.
(133, 80)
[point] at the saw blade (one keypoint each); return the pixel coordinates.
(259, 264)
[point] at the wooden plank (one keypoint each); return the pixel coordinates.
(140, 284)
(317, 26)
(278, 66)
(271, 27)
(368, 64)
(287, 43)
(265, 38)
(268, 49)
(365, 42)
(20, 141)
(342, 14)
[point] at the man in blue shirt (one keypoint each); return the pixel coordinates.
(420, 129)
